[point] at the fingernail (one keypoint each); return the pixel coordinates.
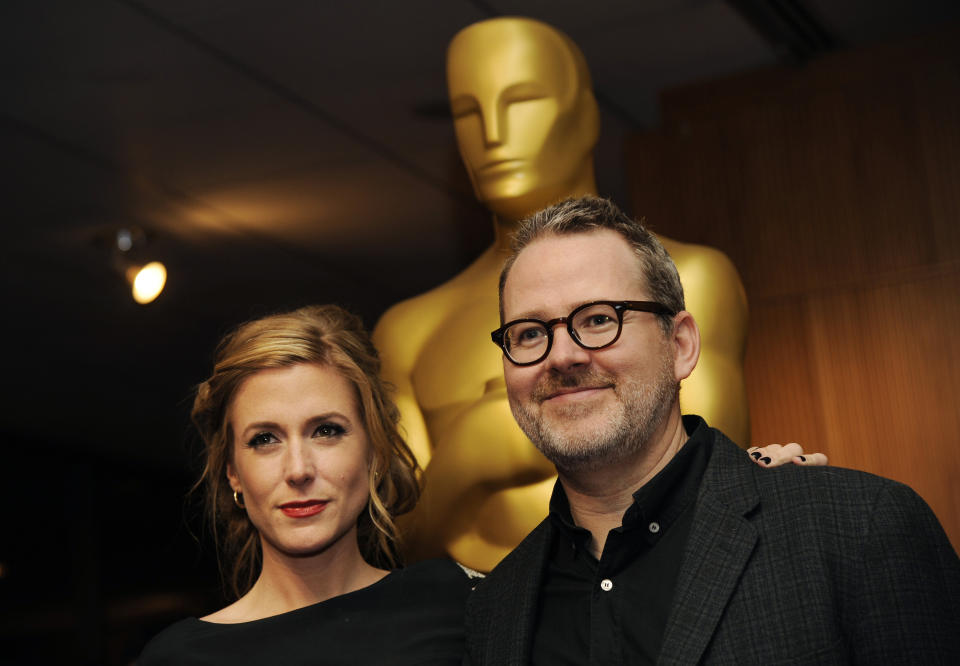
(756, 455)
(803, 458)
(766, 460)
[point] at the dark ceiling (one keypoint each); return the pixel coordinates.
(285, 153)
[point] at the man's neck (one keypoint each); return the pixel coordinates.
(600, 496)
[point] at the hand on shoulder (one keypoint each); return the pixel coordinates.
(774, 455)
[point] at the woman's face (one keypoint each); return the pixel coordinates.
(300, 458)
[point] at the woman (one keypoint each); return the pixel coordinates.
(305, 472)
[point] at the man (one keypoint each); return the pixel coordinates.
(663, 543)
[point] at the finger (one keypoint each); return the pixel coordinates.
(789, 451)
(812, 460)
(770, 450)
(755, 453)
(774, 455)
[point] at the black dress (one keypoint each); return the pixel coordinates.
(410, 616)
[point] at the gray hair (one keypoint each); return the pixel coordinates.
(586, 214)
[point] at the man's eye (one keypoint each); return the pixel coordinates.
(528, 336)
(329, 430)
(598, 320)
(261, 439)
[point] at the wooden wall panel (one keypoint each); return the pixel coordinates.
(835, 188)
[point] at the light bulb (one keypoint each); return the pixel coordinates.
(149, 282)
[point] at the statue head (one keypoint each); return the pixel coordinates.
(525, 116)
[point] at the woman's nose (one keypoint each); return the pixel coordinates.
(299, 467)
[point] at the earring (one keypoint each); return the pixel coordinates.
(238, 499)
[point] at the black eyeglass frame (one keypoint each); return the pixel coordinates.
(618, 306)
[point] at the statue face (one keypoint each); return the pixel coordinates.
(526, 125)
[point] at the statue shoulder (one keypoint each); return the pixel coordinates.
(409, 322)
(406, 322)
(707, 273)
(701, 263)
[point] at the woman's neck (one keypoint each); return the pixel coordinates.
(287, 582)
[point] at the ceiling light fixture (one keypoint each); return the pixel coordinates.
(146, 278)
(147, 281)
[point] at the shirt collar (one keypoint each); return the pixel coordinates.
(662, 498)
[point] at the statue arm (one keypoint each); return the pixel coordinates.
(482, 452)
(397, 338)
(717, 388)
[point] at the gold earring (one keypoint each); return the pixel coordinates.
(238, 499)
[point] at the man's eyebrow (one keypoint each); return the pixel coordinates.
(540, 313)
(529, 314)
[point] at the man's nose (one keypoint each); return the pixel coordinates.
(299, 464)
(565, 353)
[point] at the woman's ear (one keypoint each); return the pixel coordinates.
(232, 478)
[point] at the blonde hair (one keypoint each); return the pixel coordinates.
(330, 336)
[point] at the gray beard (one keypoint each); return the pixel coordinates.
(641, 408)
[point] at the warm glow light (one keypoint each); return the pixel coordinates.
(149, 282)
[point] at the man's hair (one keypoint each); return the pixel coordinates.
(331, 337)
(587, 214)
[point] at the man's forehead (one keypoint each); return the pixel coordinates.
(562, 271)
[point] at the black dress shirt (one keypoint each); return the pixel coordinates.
(614, 610)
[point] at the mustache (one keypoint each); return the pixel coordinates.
(551, 383)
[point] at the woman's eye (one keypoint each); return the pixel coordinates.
(261, 439)
(329, 430)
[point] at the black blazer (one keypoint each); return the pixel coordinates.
(792, 565)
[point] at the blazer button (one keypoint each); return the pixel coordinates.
(606, 584)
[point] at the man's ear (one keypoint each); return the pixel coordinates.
(686, 344)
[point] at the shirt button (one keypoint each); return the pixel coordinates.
(606, 584)
(654, 528)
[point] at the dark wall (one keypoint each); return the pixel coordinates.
(97, 556)
(835, 189)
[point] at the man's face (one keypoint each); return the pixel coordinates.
(583, 408)
(519, 117)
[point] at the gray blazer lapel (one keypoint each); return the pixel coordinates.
(718, 548)
(507, 624)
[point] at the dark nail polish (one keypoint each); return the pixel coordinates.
(766, 460)
(756, 455)
(803, 458)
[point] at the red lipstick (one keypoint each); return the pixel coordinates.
(303, 509)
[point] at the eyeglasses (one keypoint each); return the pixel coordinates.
(592, 326)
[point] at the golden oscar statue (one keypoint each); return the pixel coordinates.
(526, 122)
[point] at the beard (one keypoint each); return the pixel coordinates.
(618, 431)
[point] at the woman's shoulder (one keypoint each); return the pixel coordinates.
(437, 575)
(172, 645)
(420, 585)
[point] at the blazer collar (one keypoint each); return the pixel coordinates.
(508, 622)
(718, 548)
